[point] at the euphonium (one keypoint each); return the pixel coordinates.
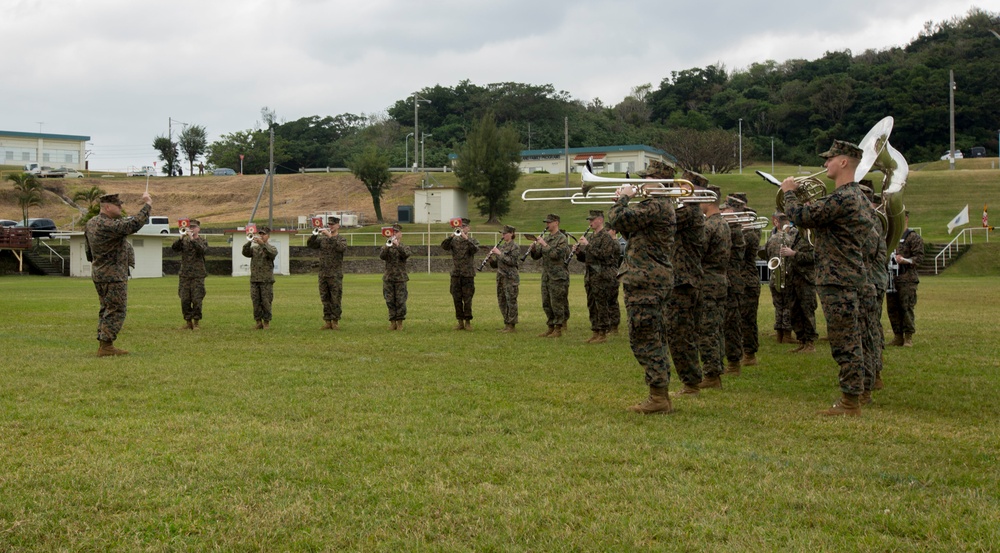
(810, 188)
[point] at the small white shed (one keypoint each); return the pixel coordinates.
(439, 204)
(279, 239)
(148, 254)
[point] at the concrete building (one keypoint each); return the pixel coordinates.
(607, 159)
(53, 150)
(148, 254)
(439, 204)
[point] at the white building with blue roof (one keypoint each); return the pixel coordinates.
(53, 150)
(607, 159)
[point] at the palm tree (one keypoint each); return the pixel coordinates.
(90, 196)
(29, 192)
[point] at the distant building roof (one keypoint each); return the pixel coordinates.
(17, 134)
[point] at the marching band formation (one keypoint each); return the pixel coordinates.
(685, 263)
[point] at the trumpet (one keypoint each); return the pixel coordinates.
(184, 231)
(458, 232)
(316, 230)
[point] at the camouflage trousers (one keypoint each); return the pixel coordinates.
(192, 293)
(880, 301)
(262, 294)
(683, 323)
(871, 344)
(710, 344)
(749, 304)
(331, 289)
(602, 300)
(647, 332)
(462, 290)
(841, 307)
(732, 328)
(900, 306)
(507, 291)
(555, 300)
(802, 310)
(616, 310)
(781, 300)
(395, 295)
(114, 303)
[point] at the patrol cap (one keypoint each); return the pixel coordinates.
(741, 196)
(735, 203)
(111, 199)
(594, 214)
(507, 229)
(264, 230)
(465, 222)
(194, 223)
(842, 148)
(696, 179)
(397, 227)
(658, 169)
(716, 189)
(333, 220)
(551, 217)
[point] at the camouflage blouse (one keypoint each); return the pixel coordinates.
(106, 246)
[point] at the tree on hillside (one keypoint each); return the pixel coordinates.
(488, 166)
(706, 151)
(29, 193)
(91, 197)
(371, 167)
(168, 153)
(193, 142)
(253, 145)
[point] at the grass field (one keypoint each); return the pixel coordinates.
(295, 439)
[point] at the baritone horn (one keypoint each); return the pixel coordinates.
(810, 188)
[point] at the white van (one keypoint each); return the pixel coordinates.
(156, 225)
(32, 168)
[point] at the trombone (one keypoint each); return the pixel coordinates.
(603, 190)
(747, 220)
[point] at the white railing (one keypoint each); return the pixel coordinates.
(951, 250)
(418, 238)
(51, 252)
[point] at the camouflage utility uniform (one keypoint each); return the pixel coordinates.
(394, 279)
(901, 303)
(463, 273)
(714, 288)
(683, 310)
(778, 284)
(508, 280)
(841, 223)
(555, 278)
(647, 277)
(108, 251)
(801, 287)
(191, 281)
(261, 278)
(600, 278)
(733, 325)
(750, 300)
(331, 272)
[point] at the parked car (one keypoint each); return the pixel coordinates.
(977, 151)
(32, 168)
(40, 228)
(7, 223)
(958, 155)
(156, 225)
(50, 173)
(72, 174)
(223, 172)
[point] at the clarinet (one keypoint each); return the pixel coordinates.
(489, 255)
(527, 253)
(572, 251)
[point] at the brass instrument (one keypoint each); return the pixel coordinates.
(184, 231)
(778, 265)
(810, 188)
(603, 190)
(458, 232)
(878, 153)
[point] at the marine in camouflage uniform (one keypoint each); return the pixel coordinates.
(262, 257)
(394, 278)
(463, 248)
(778, 284)
(874, 247)
(800, 256)
(841, 222)
(715, 290)
(901, 303)
(683, 309)
(647, 277)
(733, 324)
(599, 254)
(750, 299)
(505, 258)
(108, 251)
(191, 276)
(616, 312)
(331, 248)
(553, 249)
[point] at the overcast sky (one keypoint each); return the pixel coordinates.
(118, 70)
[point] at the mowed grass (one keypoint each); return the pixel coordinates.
(298, 439)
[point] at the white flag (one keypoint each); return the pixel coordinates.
(961, 219)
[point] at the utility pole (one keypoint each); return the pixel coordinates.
(951, 105)
(566, 146)
(741, 145)
(270, 176)
(417, 98)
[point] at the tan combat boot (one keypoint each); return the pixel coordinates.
(878, 385)
(657, 402)
(749, 359)
(548, 332)
(688, 390)
(865, 398)
(807, 347)
(108, 349)
(897, 340)
(335, 325)
(908, 340)
(393, 325)
(710, 382)
(328, 326)
(600, 338)
(399, 325)
(187, 326)
(260, 324)
(266, 325)
(194, 324)
(460, 325)
(781, 336)
(733, 368)
(556, 332)
(468, 324)
(847, 406)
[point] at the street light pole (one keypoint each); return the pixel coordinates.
(951, 104)
(422, 137)
(772, 155)
(406, 148)
(741, 146)
(417, 98)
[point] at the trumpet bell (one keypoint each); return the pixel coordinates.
(315, 231)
